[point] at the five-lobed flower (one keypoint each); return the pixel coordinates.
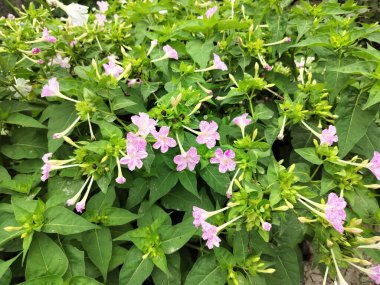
(225, 160)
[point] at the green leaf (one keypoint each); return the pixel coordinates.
(98, 245)
(309, 154)
(262, 112)
(135, 269)
(287, 267)
(117, 216)
(137, 192)
(148, 88)
(240, 245)
(76, 261)
(109, 130)
(353, 122)
(200, 51)
(174, 237)
(25, 143)
(160, 186)
(374, 96)
(189, 181)
(159, 259)
(363, 203)
(4, 266)
(224, 257)
(45, 258)
(206, 271)
(217, 181)
(63, 221)
(24, 120)
(44, 280)
(174, 277)
(83, 280)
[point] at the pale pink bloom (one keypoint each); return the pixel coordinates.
(73, 43)
(153, 43)
(329, 136)
(188, 159)
(163, 141)
(71, 201)
(100, 19)
(242, 121)
(133, 158)
(46, 167)
(134, 142)
(287, 39)
(120, 180)
(374, 274)
(47, 37)
(208, 134)
(210, 234)
(36, 50)
(62, 62)
(199, 216)
(170, 52)
(112, 68)
(40, 61)
(218, 64)
(374, 165)
(267, 226)
(80, 206)
(51, 88)
(334, 211)
(225, 160)
(103, 6)
(11, 17)
(210, 12)
(145, 124)
(267, 67)
(133, 82)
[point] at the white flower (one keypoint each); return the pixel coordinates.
(78, 14)
(22, 86)
(63, 62)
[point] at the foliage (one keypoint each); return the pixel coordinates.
(230, 109)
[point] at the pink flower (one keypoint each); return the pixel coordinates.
(267, 67)
(80, 206)
(36, 50)
(62, 62)
(133, 82)
(100, 19)
(47, 37)
(208, 134)
(73, 43)
(242, 121)
(170, 52)
(103, 6)
(210, 234)
(329, 136)
(374, 274)
(40, 61)
(225, 160)
(374, 165)
(120, 180)
(188, 159)
(11, 16)
(163, 141)
(211, 12)
(112, 68)
(218, 64)
(267, 226)
(46, 167)
(334, 211)
(145, 124)
(134, 142)
(133, 158)
(51, 88)
(199, 216)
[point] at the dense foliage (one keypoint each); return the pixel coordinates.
(188, 142)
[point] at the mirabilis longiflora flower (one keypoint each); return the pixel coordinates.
(77, 14)
(51, 165)
(242, 121)
(374, 165)
(218, 65)
(163, 140)
(225, 160)
(333, 210)
(169, 53)
(112, 68)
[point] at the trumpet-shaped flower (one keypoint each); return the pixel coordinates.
(242, 122)
(225, 160)
(374, 165)
(36, 50)
(51, 88)
(208, 134)
(187, 159)
(134, 142)
(134, 81)
(267, 226)
(170, 52)
(374, 274)
(201, 215)
(145, 124)
(134, 158)
(163, 141)
(210, 12)
(103, 6)
(21, 86)
(78, 14)
(62, 62)
(218, 63)
(101, 19)
(329, 136)
(210, 234)
(47, 37)
(50, 165)
(335, 212)
(112, 68)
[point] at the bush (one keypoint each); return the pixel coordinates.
(184, 142)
